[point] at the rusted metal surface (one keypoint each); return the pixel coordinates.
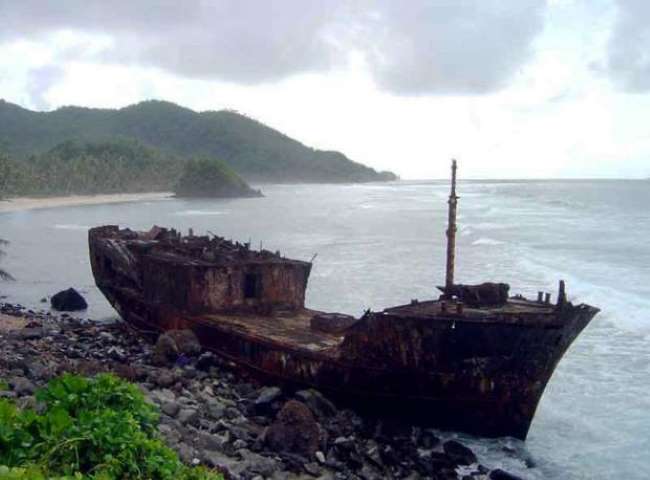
(480, 369)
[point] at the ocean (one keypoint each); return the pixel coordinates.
(377, 245)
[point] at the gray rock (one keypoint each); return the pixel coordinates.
(320, 456)
(218, 460)
(209, 441)
(174, 343)
(257, 463)
(215, 409)
(29, 333)
(266, 396)
(170, 408)
(164, 379)
(317, 403)
(186, 453)
(22, 386)
(188, 416)
(239, 444)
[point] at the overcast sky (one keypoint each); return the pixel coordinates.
(512, 88)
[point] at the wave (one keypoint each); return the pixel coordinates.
(71, 226)
(192, 213)
(487, 241)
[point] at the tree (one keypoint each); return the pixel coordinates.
(3, 274)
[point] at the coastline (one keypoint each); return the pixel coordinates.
(16, 204)
(213, 414)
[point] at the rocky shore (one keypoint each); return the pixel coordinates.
(216, 416)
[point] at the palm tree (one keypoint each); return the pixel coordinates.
(4, 275)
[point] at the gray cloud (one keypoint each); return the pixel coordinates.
(629, 46)
(411, 47)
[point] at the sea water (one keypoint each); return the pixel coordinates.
(378, 245)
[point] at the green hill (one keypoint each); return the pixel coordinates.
(208, 177)
(115, 166)
(250, 148)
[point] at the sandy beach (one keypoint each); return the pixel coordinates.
(30, 203)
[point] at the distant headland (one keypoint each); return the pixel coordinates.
(144, 147)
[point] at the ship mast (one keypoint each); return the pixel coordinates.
(451, 231)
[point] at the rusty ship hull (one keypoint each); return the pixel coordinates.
(480, 369)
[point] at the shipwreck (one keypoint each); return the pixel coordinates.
(475, 359)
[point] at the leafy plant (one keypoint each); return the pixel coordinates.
(4, 275)
(99, 428)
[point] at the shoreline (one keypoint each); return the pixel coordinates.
(215, 415)
(16, 204)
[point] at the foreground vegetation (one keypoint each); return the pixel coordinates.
(250, 148)
(97, 428)
(117, 165)
(4, 275)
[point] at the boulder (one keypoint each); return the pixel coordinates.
(265, 398)
(175, 344)
(294, 430)
(499, 474)
(318, 404)
(68, 301)
(459, 453)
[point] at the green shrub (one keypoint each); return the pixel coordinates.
(97, 428)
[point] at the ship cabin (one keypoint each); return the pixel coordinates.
(209, 274)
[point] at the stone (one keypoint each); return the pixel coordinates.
(294, 430)
(215, 409)
(317, 403)
(459, 453)
(164, 379)
(256, 463)
(206, 360)
(213, 442)
(186, 453)
(188, 416)
(29, 333)
(170, 408)
(222, 462)
(266, 396)
(186, 341)
(22, 386)
(174, 345)
(428, 440)
(498, 474)
(68, 301)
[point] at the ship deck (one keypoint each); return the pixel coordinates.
(515, 311)
(293, 329)
(290, 330)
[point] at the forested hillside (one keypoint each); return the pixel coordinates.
(115, 166)
(250, 148)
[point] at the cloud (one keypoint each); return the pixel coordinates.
(451, 47)
(415, 47)
(39, 81)
(629, 46)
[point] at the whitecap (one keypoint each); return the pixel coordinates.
(71, 226)
(192, 213)
(487, 241)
